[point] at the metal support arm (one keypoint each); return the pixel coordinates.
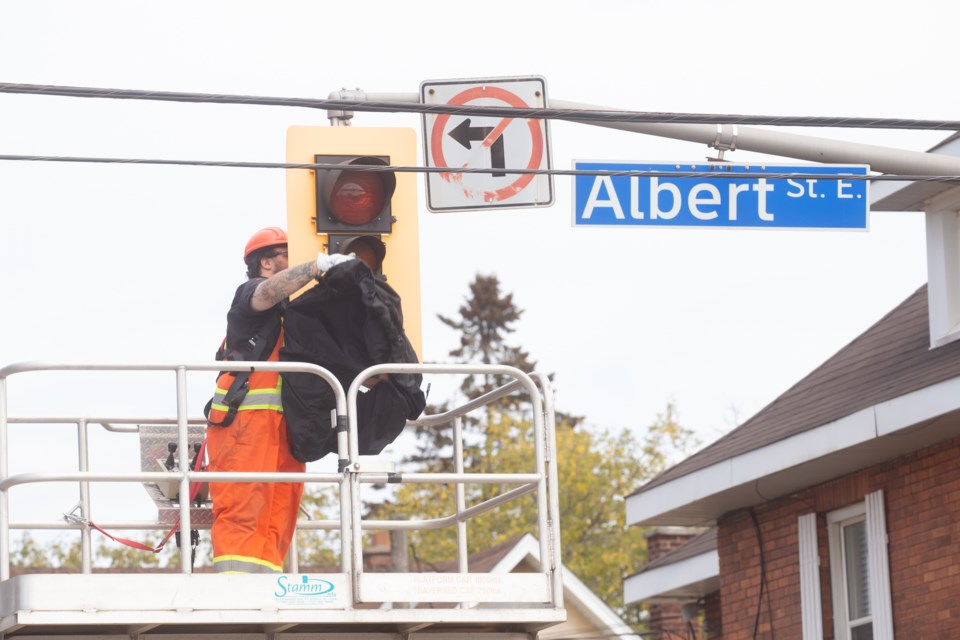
(776, 143)
(789, 145)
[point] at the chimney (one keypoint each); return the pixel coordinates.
(387, 552)
(376, 556)
(666, 620)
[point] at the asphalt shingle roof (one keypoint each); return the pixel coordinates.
(703, 543)
(890, 359)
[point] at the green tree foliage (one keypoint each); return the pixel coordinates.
(597, 468)
(30, 553)
(66, 552)
(484, 321)
(597, 471)
(486, 317)
(320, 548)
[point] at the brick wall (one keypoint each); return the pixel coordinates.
(712, 617)
(663, 540)
(376, 555)
(922, 496)
(665, 621)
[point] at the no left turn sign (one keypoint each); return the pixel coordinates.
(485, 142)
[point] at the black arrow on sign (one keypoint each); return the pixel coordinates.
(465, 134)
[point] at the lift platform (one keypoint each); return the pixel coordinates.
(345, 603)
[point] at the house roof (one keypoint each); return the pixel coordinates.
(689, 572)
(510, 554)
(848, 401)
(706, 541)
(523, 553)
(483, 561)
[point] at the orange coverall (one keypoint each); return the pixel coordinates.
(254, 522)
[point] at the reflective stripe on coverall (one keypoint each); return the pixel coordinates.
(253, 522)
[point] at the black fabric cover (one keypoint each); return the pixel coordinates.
(349, 321)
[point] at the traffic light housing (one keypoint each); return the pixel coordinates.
(357, 206)
(354, 205)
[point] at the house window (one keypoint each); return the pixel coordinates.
(859, 571)
(854, 571)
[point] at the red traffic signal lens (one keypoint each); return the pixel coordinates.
(357, 197)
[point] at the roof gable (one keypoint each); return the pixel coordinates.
(509, 555)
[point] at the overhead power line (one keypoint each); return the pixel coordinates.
(574, 115)
(716, 170)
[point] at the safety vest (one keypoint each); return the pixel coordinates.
(262, 390)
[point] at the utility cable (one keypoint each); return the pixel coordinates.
(764, 588)
(718, 170)
(540, 113)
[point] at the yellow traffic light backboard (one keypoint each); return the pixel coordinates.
(396, 147)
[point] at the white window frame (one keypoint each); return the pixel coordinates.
(836, 521)
(811, 610)
(871, 512)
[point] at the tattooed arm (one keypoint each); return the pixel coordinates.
(279, 286)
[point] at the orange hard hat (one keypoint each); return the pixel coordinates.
(269, 237)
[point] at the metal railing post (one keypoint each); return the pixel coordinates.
(86, 542)
(461, 495)
(554, 488)
(183, 455)
(356, 535)
(543, 524)
(4, 472)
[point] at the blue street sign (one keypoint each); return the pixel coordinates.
(748, 196)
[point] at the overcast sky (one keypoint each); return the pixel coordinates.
(128, 263)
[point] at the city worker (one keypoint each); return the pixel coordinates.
(254, 522)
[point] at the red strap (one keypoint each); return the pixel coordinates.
(194, 490)
(134, 543)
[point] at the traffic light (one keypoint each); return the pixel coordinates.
(348, 208)
(354, 206)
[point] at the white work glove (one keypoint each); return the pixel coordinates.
(326, 262)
